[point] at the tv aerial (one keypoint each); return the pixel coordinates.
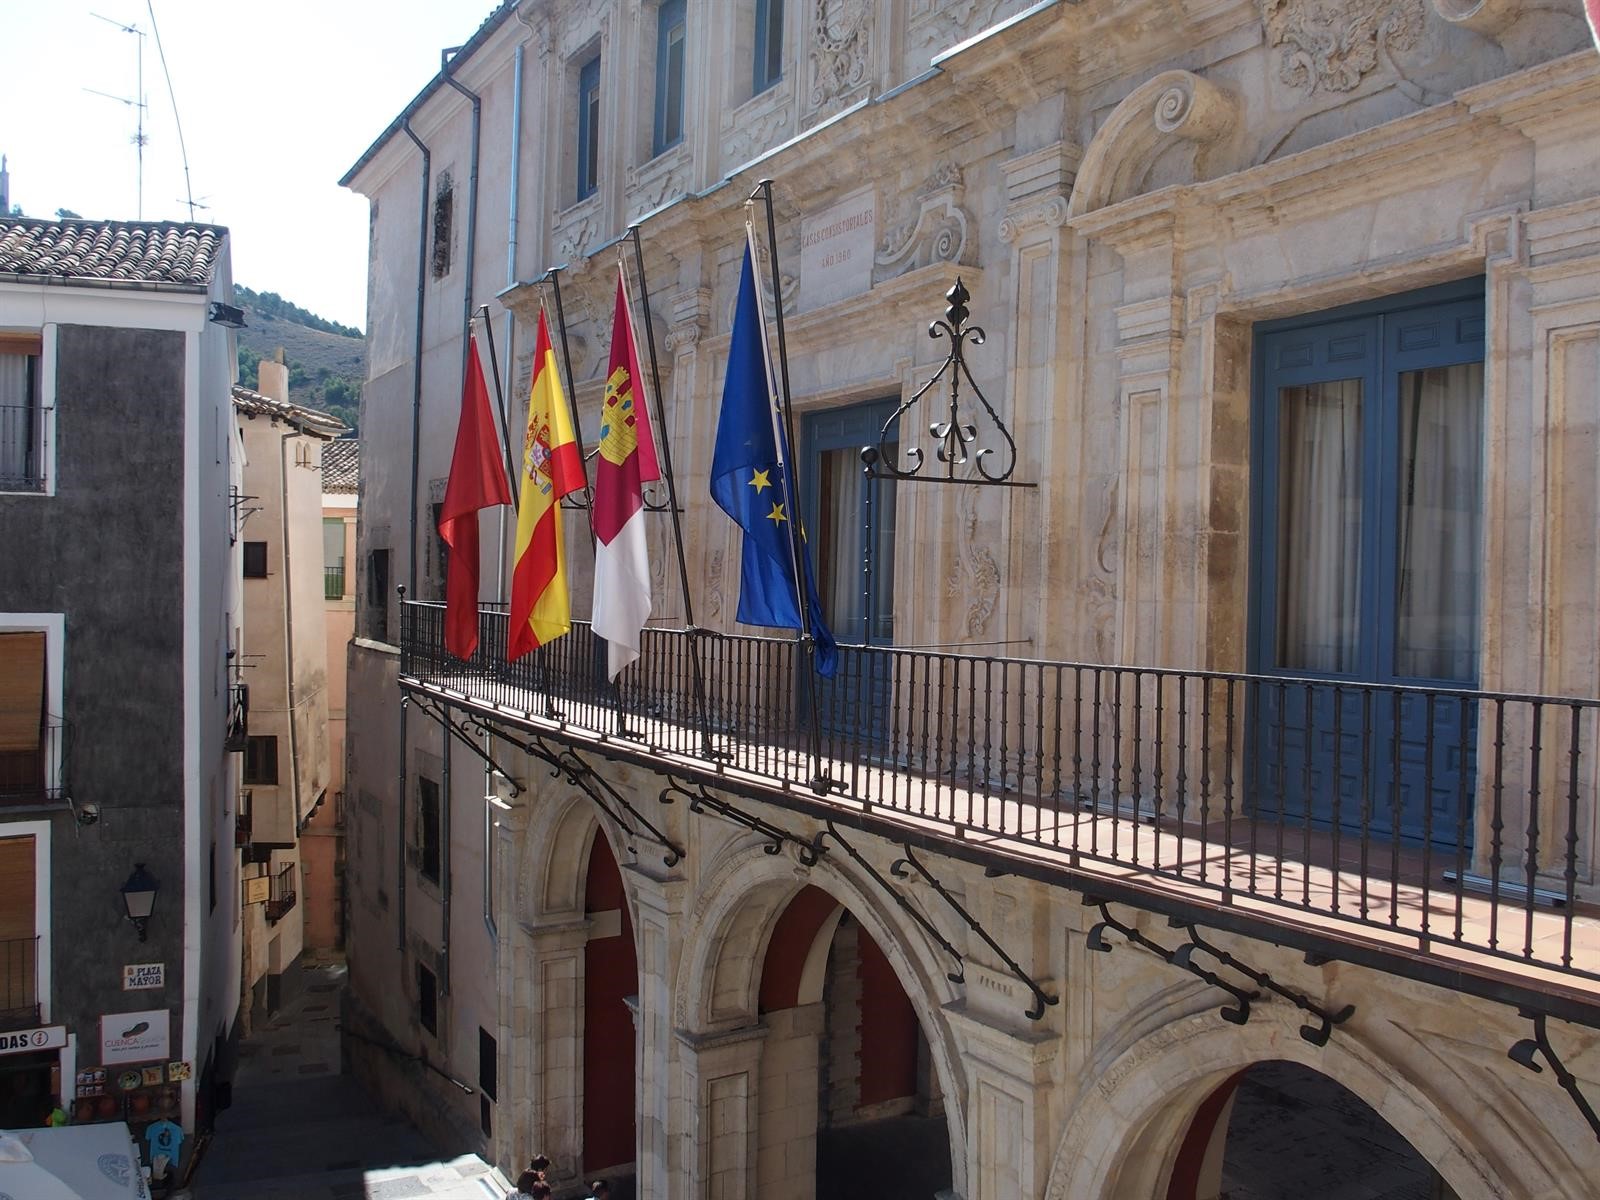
(138, 104)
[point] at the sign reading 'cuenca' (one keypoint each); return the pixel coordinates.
(20, 1041)
(836, 248)
(134, 1037)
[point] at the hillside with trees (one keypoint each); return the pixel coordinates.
(326, 360)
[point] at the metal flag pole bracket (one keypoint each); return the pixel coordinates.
(1041, 998)
(1523, 1055)
(1236, 1015)
(702, 801)
(959, 975)
(1317, 1035)
(955, 438)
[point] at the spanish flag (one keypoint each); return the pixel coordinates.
(551, 467)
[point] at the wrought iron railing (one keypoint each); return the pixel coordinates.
(22, 448)
(1430, 816)
(19, 982)
(244, 818)
(281, 896)
(36, 774)
(333, 582)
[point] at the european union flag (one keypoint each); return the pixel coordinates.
(747, 483)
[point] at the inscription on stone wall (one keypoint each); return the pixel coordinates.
(836, 249)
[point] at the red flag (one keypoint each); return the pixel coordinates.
(477, 480)
(1592, 7)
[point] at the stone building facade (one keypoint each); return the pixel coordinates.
(1292, 318)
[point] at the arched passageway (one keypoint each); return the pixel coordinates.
(847, 1082)
(610, 981)
(1279, 1129)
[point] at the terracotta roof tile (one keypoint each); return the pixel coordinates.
(111, 251)
(306, 420)
(341, 465)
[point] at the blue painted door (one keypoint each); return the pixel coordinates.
(850, 522)
(1369, 506)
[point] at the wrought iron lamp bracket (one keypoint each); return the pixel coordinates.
(1041, 998)
(702, 801)
(1236, 1015)
(1523, 1055)
(956, 441)
(1317, 1035)
(959, 975)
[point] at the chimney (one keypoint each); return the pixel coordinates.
(272, 379)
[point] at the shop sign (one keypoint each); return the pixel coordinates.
(135, 1037)
(258, 890)
(22, 1041)
(139, 977)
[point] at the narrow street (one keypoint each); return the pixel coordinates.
(299, 1130)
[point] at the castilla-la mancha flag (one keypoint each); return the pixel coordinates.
(1592, 7)
(551, 467)
(477, 481)
(627, 461)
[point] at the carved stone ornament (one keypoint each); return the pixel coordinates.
(974, 575)
(841, 34)
(747, 139)
(1334, 43)
(938, 232)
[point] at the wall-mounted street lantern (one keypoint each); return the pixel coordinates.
(139, 897)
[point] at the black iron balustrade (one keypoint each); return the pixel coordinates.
(244, 818)
(22, 448)
(333, 581)
(1435, 820)
(36, 774)
(19, 982)
(281, 893)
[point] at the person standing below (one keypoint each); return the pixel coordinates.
(598, 1190)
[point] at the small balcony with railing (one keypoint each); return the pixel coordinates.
(244, 819)
(333, 581)
(23, 448)
(19, 982)
(1442, 833)
(281, 895)
(33, 767)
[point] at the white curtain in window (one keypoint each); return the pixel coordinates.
(1440, 515)
(1319, 526)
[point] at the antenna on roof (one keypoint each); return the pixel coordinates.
(188, 188)
(138, 102)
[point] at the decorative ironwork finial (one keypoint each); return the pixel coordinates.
(956, 442)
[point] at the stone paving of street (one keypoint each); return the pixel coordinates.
(299, 1130)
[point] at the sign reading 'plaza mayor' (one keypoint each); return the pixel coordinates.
(836, 248)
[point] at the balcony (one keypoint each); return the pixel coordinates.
(281, 894)
(19, 982)
(333, 582)
(22, 448)
(1436, 833)
(244, 818)
(36, 775)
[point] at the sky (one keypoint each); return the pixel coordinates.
(277, 100)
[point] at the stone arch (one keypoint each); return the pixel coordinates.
(554, 856)
(719, 972)
(1127, 1126)
(1174, 106)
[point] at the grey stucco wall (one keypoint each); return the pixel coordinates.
(107, 551)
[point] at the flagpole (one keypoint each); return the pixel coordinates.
(820, 781)
(500, 401)
(572, 383)
(665, 443)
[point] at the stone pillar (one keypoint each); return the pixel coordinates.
(556, 1066)
(722, 1090)
(786, 1136)
(1008, 1115)
(659, 910)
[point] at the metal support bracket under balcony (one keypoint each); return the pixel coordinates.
(565, 761)
(1523, 1055)
(1041, 998)
(700, 800)
(1317, 1035)
(959, 975)
(433, 709)
(1097, 941)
